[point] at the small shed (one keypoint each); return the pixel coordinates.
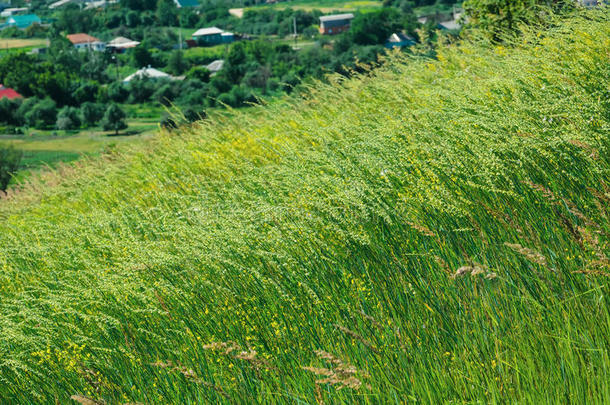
(335, 24)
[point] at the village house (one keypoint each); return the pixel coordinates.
(186, 3)
(99, 4)
(227, 37)
(85, 41)
(147, 73)
(120, 44)
(208, 36)
(22, 21)
(62, 3)
(212, 36)
(335, 24)
(451, 25)
(592, 3)
(6, 92)
(11, 11)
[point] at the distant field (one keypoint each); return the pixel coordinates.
(327, 6)
(21, 43)
(43, 149)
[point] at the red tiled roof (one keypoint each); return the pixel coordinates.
(8, 93)
(81, 38)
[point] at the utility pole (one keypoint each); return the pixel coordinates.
(294, 24)
(116, 65)
(180, 31)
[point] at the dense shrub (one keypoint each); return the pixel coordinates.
(114, 119)
(43, 114)
(9, 111)
(140, 90)
(9, 163)
(117, 92)
(68, 118)
(198, 73)
(92, 113)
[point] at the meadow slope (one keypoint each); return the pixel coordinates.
(436, 231)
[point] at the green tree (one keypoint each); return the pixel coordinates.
(164, 94)
(9, 163)
(42, 115)
(142, 57)
(374, 28)
(117, 92)
(91, 113)
(17, 70)
(504, 16)
(199, 73)
(86, 92)
(68, 118)
(176, 63)
(132, 19)
(114, 119)
(167, 13)
(8, 111)
(235, 61)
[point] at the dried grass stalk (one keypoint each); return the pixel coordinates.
(340, 374)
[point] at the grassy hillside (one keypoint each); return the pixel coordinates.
(435, 232)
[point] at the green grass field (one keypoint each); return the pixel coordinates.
(434, 232)
(329, 6)
(326, 6)
(16, 43)
(44, 150)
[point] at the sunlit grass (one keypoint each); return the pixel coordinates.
(434, 232)
(14, 43)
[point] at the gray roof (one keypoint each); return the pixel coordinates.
(148, 72)
(336, 17)
(207, 31)
(451, 25)
(122, 42)
(215, 66)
